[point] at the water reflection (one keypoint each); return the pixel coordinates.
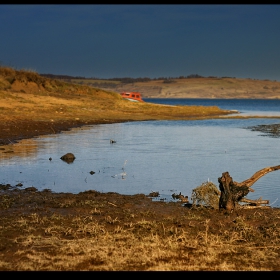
(26, 148)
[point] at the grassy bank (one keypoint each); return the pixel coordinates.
(27, 95)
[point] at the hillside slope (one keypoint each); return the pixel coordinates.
(221, 88)
(26, 94)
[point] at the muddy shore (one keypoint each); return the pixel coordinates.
(14, 131)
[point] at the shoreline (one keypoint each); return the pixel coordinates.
(14, 131)
(93, 231)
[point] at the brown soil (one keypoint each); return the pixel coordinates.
(64, 231)
(16, 130)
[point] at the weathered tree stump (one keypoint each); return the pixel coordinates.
(232, 192)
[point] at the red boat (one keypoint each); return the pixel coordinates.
(132, 96)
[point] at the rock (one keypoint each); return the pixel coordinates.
(31, 189)
(154, 194)
(69, 157)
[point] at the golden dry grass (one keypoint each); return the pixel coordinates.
(87, 231)
(27, 95)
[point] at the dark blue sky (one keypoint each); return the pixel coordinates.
(107, 41)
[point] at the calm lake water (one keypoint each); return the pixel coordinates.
(163, 156)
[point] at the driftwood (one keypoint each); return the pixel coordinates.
(251, 202)
(233, 192)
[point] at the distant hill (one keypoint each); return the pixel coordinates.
(193, 86)
(27, 97)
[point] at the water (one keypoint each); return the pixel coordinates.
(261, 107)
(163, 156)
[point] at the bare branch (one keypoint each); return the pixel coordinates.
(249, 182)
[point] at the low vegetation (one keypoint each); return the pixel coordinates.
(112, 232)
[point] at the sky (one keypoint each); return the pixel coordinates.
(117, 41)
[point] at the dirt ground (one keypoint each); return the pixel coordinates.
(15, 130)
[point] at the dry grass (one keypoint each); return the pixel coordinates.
(27, 95)
(207, 194)
(125, 239)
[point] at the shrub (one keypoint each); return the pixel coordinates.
(207, 195)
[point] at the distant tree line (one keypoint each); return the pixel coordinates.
(61, 77)
(127, 80)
